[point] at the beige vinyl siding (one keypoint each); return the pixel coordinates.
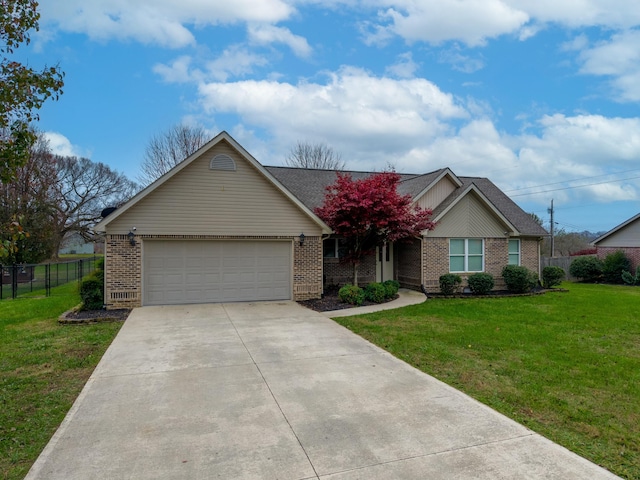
(437, 193)
(200, 201)
(628, 236)
(469, 218)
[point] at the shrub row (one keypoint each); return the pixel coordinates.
(518, 279)
(609, 270)
(374, 292)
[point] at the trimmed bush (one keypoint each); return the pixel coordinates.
(631, 279)
(519, 279)
(449, 283)
(552, 276)
(351, 294)
(375, 292)
(480, 283)
(92, 293)
(587, 269)
(100, 264)
(614, 264)
(391, 288)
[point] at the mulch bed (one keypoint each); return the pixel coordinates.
(85, 317)
(330, 301)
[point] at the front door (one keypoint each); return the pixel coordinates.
(384, 263)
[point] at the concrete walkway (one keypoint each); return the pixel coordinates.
(405, 297)
(277, 391)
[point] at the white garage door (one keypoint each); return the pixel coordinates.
(197, 271)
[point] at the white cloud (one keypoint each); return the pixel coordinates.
(61, 145)
(235, 61)
(268, 34)
(618, 58)
(353, 107)
(460, 62)
(405, 67)
(471, 22)
(177, 72)
(161, 22)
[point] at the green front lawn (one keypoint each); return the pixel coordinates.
(565, 364)
(43, 367)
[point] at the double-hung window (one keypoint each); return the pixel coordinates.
(333, 248)
(466, 255)
(514, 251)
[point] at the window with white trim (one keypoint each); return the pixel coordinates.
(514, 251)
(466, 255)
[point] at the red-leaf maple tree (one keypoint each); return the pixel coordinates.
(369, 213)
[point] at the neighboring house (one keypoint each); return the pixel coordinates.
(74, 243)
(220, 227)
(625, 237)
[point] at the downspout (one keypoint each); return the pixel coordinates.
(422, 266)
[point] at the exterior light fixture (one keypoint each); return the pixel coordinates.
(301, 239)
(132, 238)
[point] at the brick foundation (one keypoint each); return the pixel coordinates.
(123, 267)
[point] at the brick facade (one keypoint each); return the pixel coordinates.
(123, 268)
(632, 253)
(496, 256)
(408, 265)
(337, 273)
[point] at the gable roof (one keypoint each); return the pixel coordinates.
(222, 136)
(616, 229)
(309, 186)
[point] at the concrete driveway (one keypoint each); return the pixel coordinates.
(276, 391)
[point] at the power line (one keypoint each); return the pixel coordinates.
(574, 186)
(574, 180)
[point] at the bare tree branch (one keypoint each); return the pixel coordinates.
(319, 156)
(167, 149)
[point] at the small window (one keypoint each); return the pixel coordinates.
(333, 248)
(514, 252)
(466, 255)
(222, 162)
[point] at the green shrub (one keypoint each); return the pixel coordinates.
(552, 276)
(375, 292)
(480, 283)
(92, 293)
(391, 288)
(449, 283)
(351, 294)
(100, 264)
(587, 269)
(614, 264)
(519, 279)
(631, 279)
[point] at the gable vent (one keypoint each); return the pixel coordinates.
(222, 162)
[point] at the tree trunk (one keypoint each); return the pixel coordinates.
(355, 274)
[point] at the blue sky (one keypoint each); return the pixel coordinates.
(540, 96)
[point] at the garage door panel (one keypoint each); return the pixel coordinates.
(216, 271)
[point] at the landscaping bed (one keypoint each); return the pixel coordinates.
(330, 301)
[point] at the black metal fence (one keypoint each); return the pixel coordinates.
(19, 280)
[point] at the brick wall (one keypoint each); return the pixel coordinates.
(632, 253)
(307, 269)
(122, 272)
(496, 256)
(123, 267)
(408, 264)
(337, 273)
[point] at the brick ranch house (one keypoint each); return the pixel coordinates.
(625, 237)
(221, 227)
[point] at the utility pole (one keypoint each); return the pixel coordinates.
(550, 210)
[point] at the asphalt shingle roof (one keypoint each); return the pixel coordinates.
(309, 186)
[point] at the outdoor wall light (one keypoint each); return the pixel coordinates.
(301, 239)
(132, 238)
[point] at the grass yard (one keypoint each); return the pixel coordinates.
(43, 367)
(565, 364)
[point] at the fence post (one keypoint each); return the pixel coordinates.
(47, 279)
(14, 281)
